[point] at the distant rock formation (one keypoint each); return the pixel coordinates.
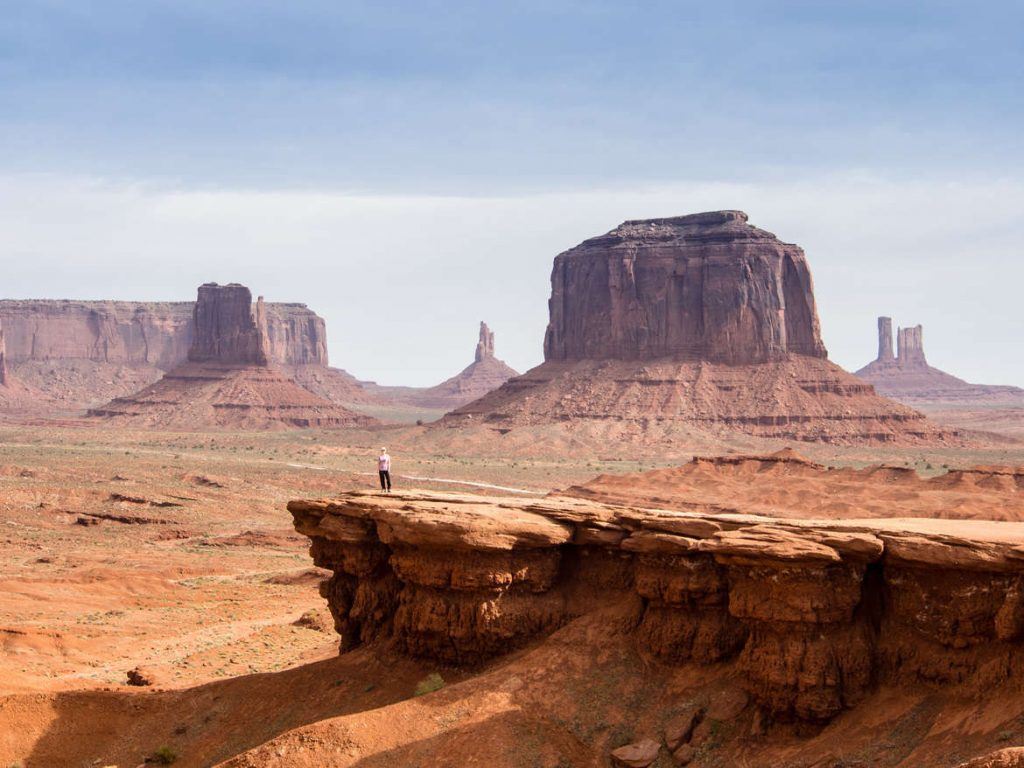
(225, 329)
(3, 357)
(910, 347)
(909, 378)
(85, 353)
(703, 287)
(885, 338)
(132, 332)
(485, 346)
(484, 374)
(700, 321)
(229, 379)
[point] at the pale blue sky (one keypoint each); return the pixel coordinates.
(408, 169)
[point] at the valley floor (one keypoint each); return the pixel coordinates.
(173, 553)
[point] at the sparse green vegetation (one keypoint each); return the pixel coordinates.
(164, 756)
(429, 684)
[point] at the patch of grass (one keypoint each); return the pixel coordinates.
(429, 684)
(164, 756)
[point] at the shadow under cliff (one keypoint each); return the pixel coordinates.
(202, 725)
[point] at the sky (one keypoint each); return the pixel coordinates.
(409, 169)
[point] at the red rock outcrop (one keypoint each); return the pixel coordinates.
(84, 353)
(885, 338)
(152, 333)
(485, 346)
(909, 378)
(703, 287)
(229, 380)
(699, 322)
(485, 374)
(810, 614)
(225, 329)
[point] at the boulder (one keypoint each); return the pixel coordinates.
(638, 755)
(679, 729)
(141, 676)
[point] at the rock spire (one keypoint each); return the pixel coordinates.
(485, 347)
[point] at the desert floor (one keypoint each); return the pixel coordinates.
(173, 552)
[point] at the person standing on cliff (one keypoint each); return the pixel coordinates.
(384, 470)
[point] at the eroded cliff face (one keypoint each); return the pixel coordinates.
(708, 286)
(150, 333)
(812, 614)
(225, 329)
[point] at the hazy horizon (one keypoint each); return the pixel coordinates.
(408, 170)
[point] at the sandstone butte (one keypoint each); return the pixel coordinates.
(484, 374)
(79, 354)
(811, 617)
(699, 321)
(229, 379)
(907, 376)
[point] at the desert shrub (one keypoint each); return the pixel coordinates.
(165, 756)
(429, 684)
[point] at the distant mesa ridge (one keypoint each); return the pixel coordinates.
(137, 332)
(84, 353)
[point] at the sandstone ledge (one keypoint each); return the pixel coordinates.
(812, 612)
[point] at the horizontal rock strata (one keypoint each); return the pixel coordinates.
(700, 322)
(812, 613)
(806, 399)
(157, 333)
(706, 286)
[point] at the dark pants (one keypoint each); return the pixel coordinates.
(385, 480)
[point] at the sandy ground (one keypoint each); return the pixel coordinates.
(173, 552)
